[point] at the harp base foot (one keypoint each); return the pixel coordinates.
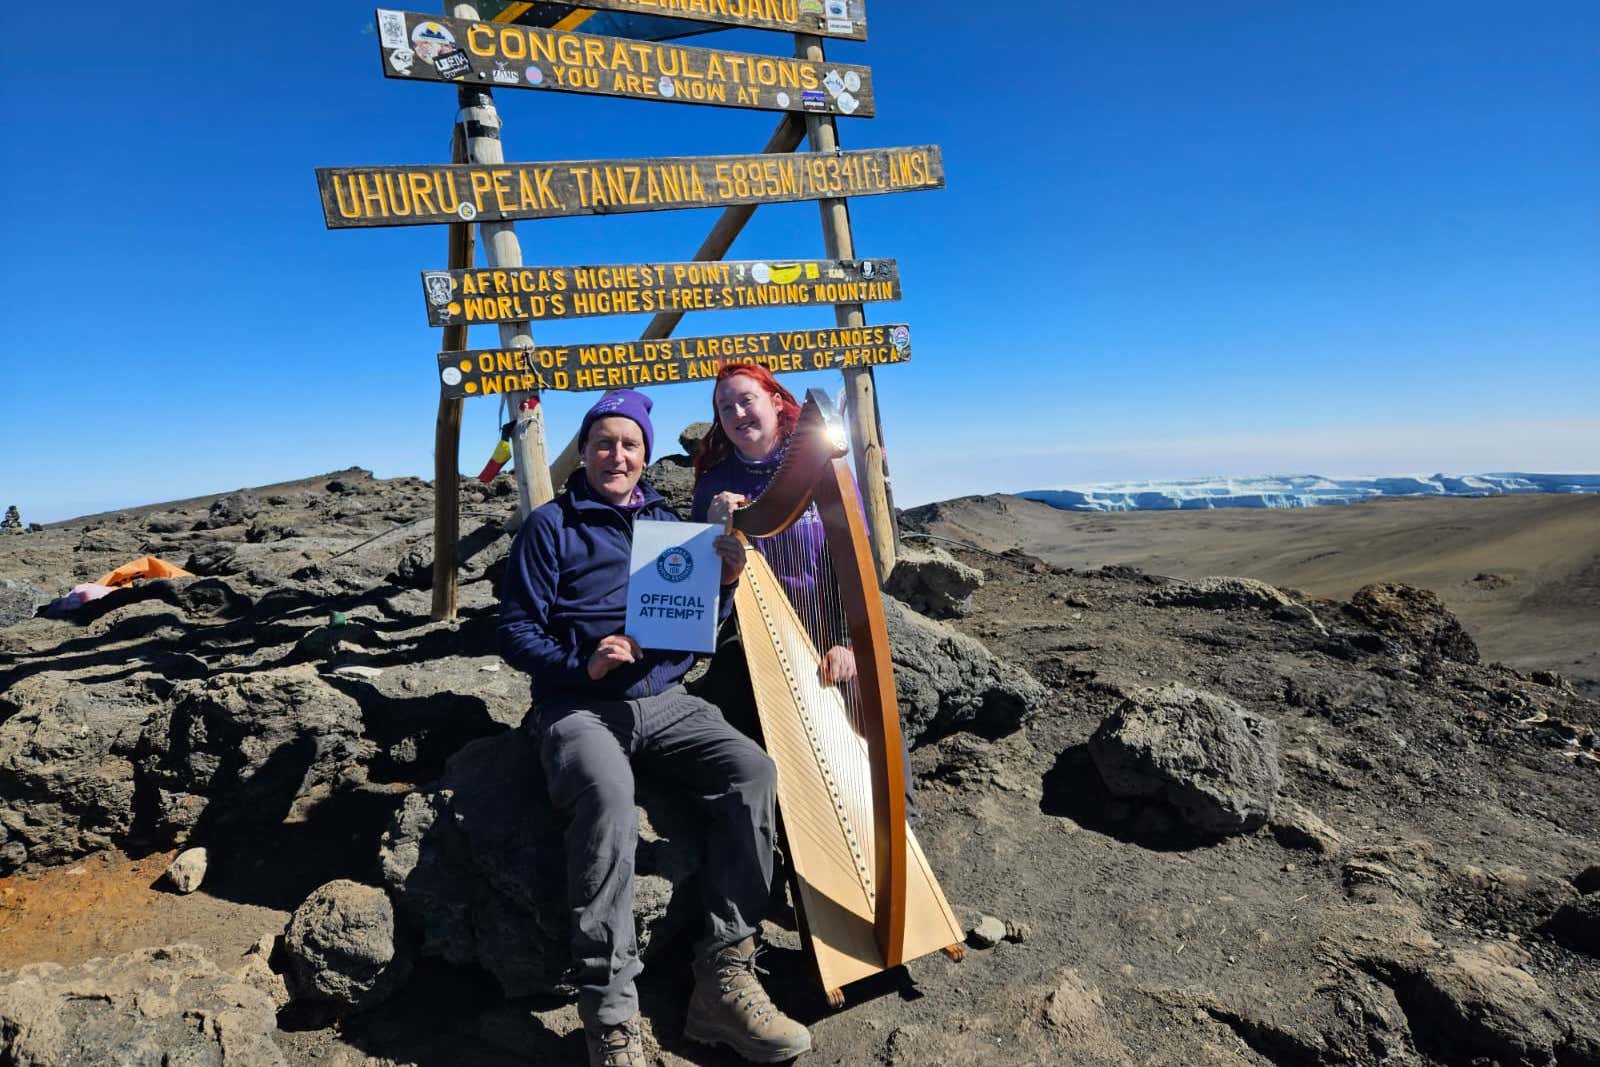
(956, 952)
(835, 998)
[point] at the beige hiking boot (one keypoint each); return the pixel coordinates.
(729, 1007)
(615, 1046)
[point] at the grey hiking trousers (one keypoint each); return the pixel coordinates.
(590, 749)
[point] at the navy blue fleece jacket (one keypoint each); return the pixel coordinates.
(566, 587)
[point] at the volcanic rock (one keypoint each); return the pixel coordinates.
(66, 772)
(689, 440)
(1414, 617)
(1471, 1005)
(1226, 593)
(187, 870)
(947, 681)
(932, 581)
(1576, 924)
(988, 933)
(19, 601)
(243, 747)
(230, 510)
(476, 866)
(155, 1006)
(341, 948)
(1296, 827)
(673, 478)
(1216, 763)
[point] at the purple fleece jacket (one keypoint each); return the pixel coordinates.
(566, 587)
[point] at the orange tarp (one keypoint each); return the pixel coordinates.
(143, 567)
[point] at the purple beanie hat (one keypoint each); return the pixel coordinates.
(629, 405)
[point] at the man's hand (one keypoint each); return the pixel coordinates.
(731, 550)
(611, 653)
(838, 665)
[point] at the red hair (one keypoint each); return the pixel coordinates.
(716, 447)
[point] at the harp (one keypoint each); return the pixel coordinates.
(865, 895)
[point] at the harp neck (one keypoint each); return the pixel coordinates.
(813, 444)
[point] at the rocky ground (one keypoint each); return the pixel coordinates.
(1218, 823)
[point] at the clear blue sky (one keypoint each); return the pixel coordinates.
(1178, 239)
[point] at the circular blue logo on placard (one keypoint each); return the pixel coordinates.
(675, 564)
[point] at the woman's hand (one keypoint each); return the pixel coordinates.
(731, 550)
(611, 653)
(838, 665)
(723, 505)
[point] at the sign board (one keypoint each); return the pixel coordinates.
(821, 18)
(517, 294)
(424, 194)
(625, 364)
(674, 576)
(434, 48)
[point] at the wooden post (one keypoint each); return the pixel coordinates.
(482, 124)
(732, 221)
(447, 434)
(861, 406)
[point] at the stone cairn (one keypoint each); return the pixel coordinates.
(13, 520)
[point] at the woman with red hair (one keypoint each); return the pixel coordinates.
(752, 419)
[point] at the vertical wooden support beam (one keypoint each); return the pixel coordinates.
(861, 404)
(786, 138)
(447, 433)
(501, 249)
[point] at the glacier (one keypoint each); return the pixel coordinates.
(1297, 490)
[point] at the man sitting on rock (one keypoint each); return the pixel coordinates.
(603, 706)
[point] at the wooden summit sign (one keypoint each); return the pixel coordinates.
(435, 48)
(418, 195)
(584, 367)
(821, 18)
(515, 294)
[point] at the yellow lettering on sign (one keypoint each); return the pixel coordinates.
(513, 44)
(421, 192)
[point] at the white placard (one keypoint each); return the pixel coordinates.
(673, 581)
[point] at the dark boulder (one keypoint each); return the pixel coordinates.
(341, 948)
(66, 770)
(947, 681)
(932, 581)
(19, 601)
(1415, 618)
(1214, 762)
(243, 747)
(673, 478)
(476, 867)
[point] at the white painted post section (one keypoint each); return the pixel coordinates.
(861, 406)
(481, 123)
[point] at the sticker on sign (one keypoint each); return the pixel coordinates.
(392, 29)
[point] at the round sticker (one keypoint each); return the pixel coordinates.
(761, 273)
(430, 40)
(675, 564)
(467, 211)
(852, 81)
(534, 75)
(783, 99)
(666, 86)
(451, 376)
